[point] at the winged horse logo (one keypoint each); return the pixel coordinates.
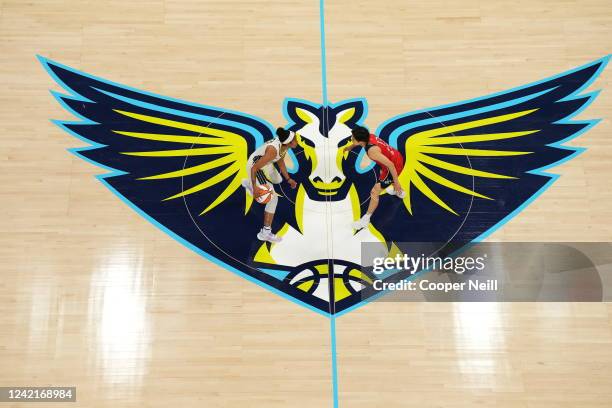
(470, 167)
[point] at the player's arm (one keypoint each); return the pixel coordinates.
(350, 147)
(375, 154)
(285, 174)
(267, 158)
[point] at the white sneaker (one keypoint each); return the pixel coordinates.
(361, 223)
(247, 185)
(391, 191)
(265, 235)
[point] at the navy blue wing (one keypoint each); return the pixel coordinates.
(473, 165)
(178, 164)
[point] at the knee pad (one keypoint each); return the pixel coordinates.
(271, 205)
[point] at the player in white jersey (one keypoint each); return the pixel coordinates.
(260, 168)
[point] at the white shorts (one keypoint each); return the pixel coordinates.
(266, 175)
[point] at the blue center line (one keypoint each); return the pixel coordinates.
(323, 56)
(332, 318)
(334, 360)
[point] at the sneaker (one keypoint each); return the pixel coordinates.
(391, 191)
(361, 223)
(266, 235)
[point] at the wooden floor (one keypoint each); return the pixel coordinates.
(95, 297)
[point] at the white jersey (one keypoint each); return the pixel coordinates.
(267, 173)
(261, 151)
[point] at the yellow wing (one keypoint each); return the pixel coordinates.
(158, 148)
(204, 141)
(427, 153)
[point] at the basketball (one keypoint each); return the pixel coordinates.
(264, 193)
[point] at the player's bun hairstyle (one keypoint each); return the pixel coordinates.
(361, 134)
(282, 134)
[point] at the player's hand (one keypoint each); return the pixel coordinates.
(292, 183)
(254, 188)
(398, 188)
(258, 191)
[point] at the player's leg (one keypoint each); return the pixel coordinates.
(374, 198)
(271, 176)
(265, 233)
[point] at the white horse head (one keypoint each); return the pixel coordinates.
(323, 132)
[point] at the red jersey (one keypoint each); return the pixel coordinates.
(390, 153)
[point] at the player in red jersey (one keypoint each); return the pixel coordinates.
(390, 162)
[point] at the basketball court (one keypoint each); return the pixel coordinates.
(131, 267)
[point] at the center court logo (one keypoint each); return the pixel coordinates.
(470, 167)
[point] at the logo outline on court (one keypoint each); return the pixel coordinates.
(471, 166)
